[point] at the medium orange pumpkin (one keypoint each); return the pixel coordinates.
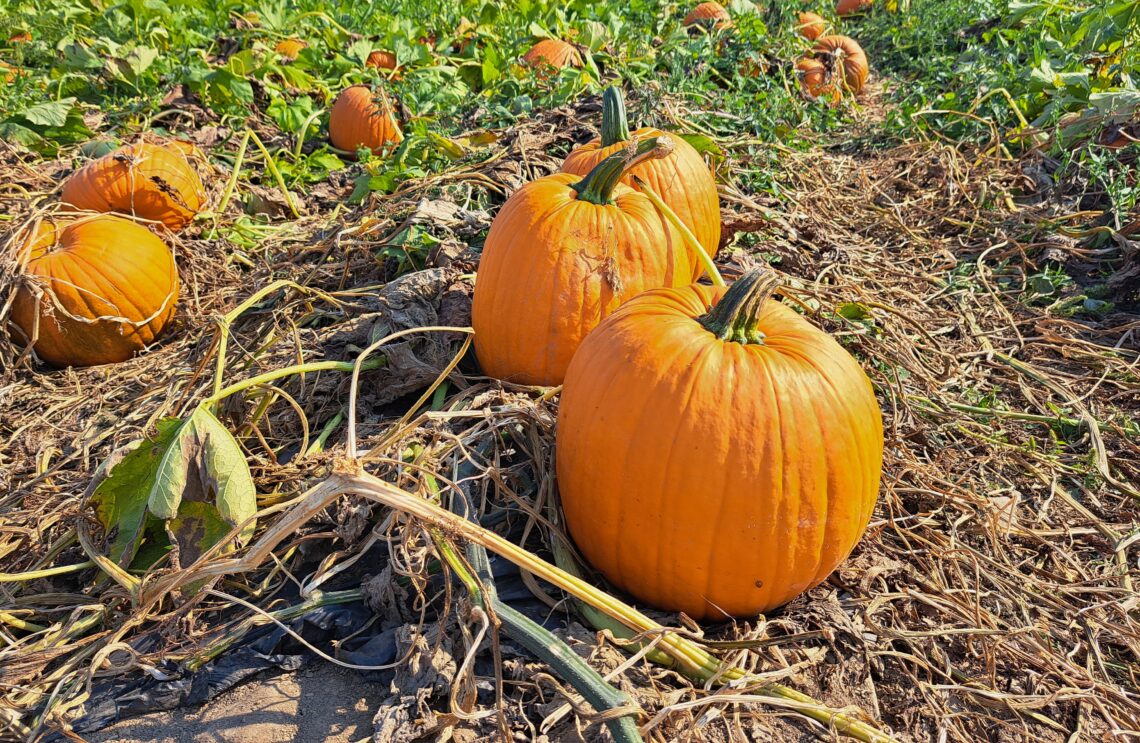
(814, 81)
(290, 48)
(562, 254)
(151, 181)
(811, 26)
(381, 60)
(844, 53)
(851, 7)
(108, 287)
(709, 14)
(682, 180)
(716, 453)
(550, 55)
(363, 117)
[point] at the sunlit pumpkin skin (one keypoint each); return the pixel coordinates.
(708, 475)
(290, 48)
(550, 55)
(814, 81)
(709, 14)
(848, 56)
(1118, 136)
(682, 180)
(154, 182)
(20, 37)
(381, 60)
(10, 73)
(811, 26)
(556, 263)
(851, 7)
(363, 117)
(109, 288)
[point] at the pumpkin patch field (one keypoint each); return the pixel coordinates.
(570, 371)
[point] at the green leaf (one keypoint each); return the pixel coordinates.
(703, 145)
(120, 500)
(140, 59)
(204, 463)
(855, 312)
(196, 529)
(52, 113)
(1041, 285)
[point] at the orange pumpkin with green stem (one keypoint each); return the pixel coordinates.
(811, 26)
(96, 290)
(150, 181)
(682, 180)
(363, 118)
(562, 254)
(716, 453)
(845, 58)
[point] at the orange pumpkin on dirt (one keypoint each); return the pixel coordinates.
(709, 14)
(717, 454)
(550, 55)
(154, 182)
(562, 254)
(814, 81)
(363, 117)
(682, 179)
(851, 7)
(811, 26)
(843, 54)
(96, 290)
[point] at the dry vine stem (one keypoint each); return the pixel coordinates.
(349, 479)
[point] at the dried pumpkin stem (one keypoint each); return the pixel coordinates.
(615, 125)
(598, 185)
(734, 317)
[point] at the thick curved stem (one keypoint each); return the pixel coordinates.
(598, 185)
(615, 125)
(734, 317)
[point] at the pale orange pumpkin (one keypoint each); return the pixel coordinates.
(815, 82)
(150, 181)
(709, 14)
(682, 180)
(811, 26)
(563, 253)
(851, 7)
(381, 60)
(717, 454)
(550, 55)
(363, 117)
(843, 56)
(96, 290)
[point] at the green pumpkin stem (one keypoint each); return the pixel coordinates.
(598, 185)
(615, 126)
(734, 317)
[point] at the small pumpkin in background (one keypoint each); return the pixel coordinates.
(851, 7)
(96, 290)
(1119, 136)
(381, 60)
(709, 14)
(717, 454)
(681, 179)
(20, 37)
(844, 57)
(10, 72)
(811, 26)
(550, 55)
(815, 81)
(290, 49)
(154, 182)
(363, 117)
(563, 253)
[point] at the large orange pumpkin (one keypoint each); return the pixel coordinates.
(107, 287)
(811, 26)
(844, 53)
(363, 117)
(815, 82)
(562, 254)
(716, 453)
(550, 55)
(711, 14)
(150, 181)
(682, 180)
(851, 7)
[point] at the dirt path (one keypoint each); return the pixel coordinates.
(318, 703)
